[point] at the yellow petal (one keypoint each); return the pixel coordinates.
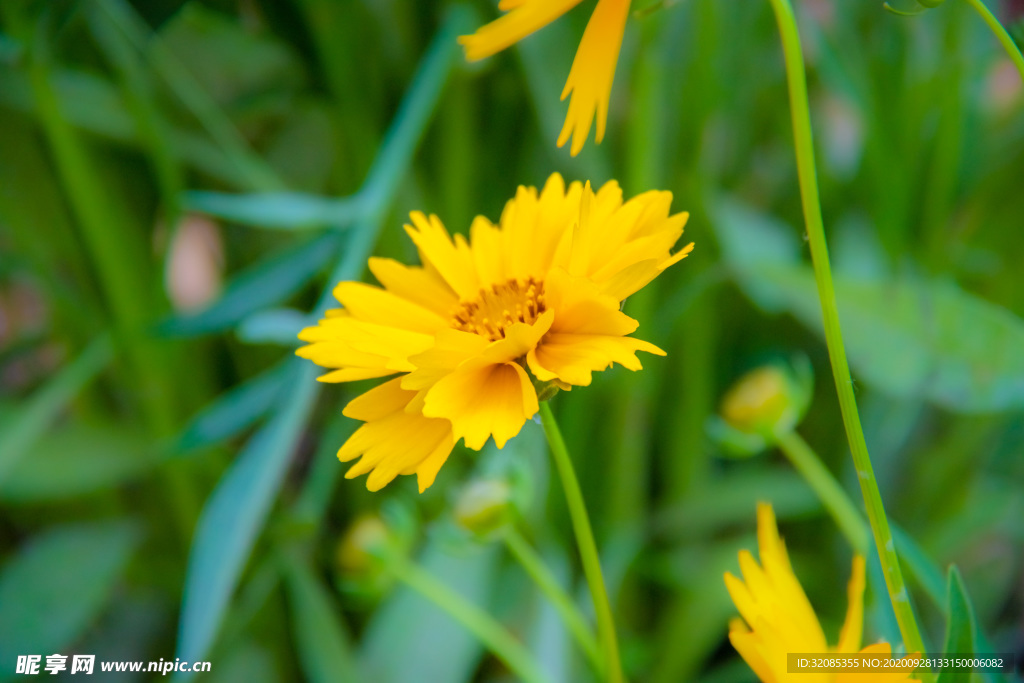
(593, 69)
(573, 358)
(520, 339)
(394, 441)
(849, 637)
(483, 401)
(348, 343)
(611, 236)
(427, 470)
(742, 598)
(581, 308)
(354, 374)
(379, 402)
(587, 335)
(375, 305)
(414, 284)
(523, 18)
(746, 643)
(451, 349)
(451, 259)
(538, 227)
(489, 252)
(775, 560)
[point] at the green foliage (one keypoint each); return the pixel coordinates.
(959, 628)
(909, 336)
(76, 460)
(23, 426)
(58, 584)
(234, 410)
(152, 458)
(320, 636)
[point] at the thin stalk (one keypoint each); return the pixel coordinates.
(586, 544)
(548, 584)
(478, 622)
(804, 147)
(828, 490)
(1012, 51)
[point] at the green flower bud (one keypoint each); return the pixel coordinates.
(761, 402)
(484, 507)
(363, 546)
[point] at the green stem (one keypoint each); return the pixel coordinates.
(828, 490)
(548, 584)
(800, 111)
(478, 622)
(1011, 47)
(585, 542)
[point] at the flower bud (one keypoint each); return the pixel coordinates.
(366, 541)
(761, 402)
(484, 507)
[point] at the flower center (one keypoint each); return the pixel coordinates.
(498, 307)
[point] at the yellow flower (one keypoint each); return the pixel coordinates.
(778, 619)
(593, 69)
(533, 299)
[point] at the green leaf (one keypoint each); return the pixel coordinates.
(908, 337)
(57, 584)
(321, 637)
(265, 284)
(234, 515)
(77, 460)
(233, 412)
(929, 576)
(39, 412)
(959, 627)
(279, 210)
(275, 326)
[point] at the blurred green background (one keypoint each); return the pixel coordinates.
(170, 213)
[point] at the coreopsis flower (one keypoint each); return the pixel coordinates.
(533, 301)
(593, 69)
(777, 618)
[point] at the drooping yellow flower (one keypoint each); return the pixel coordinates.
(777, 619)
(593, 69)
(471, 332)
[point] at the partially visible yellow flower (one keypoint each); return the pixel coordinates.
(777, 618)
(534, 299)
(593, 69)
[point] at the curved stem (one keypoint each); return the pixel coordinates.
(828, 490)
(800, 111)
(1011, 47)
(478, 622)
(585, 542)
(548, 584)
